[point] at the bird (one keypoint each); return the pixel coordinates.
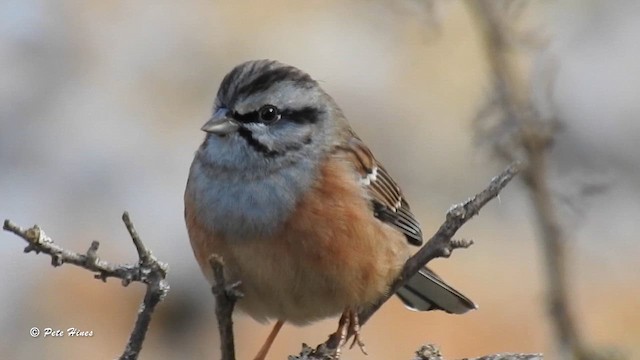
(305, 217)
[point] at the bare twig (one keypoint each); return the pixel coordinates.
(529, 136)
(432, 352)
(322, 352)
(441, 244)
(148, 270)
(509, 356)
(226, 297)
(426, 352)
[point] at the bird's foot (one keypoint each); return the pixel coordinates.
(348, 326)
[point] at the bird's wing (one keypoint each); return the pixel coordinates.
(388, 203)
(425, 290)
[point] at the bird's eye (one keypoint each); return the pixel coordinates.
(269, 114)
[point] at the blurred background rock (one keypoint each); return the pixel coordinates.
(100, 109)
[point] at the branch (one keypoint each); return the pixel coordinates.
(226, 297)
(441, 244)
(432, 352)
(148, 270)
(509, 356)
(524, 133)
(426, 352)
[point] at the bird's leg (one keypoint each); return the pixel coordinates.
(337, 340)
(349, 325)
(354, 329)
(262, 354)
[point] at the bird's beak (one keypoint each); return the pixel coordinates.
(220, 123)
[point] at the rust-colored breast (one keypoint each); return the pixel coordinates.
(330, 254)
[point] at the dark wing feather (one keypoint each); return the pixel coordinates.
(388, 203)
(425, 290)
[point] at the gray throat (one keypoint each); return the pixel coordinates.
(242, 195)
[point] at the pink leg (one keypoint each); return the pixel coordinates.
(262, 354)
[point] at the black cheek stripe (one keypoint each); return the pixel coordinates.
(255, 144)
(261, 148)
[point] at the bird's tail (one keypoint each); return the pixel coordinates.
(426, 291)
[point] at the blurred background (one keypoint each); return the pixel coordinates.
(100, 109)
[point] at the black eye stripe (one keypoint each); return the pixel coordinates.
(305, 115)
(248, 118)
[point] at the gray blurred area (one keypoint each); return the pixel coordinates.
(100, 108)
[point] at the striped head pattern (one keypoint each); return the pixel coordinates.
(266, 112)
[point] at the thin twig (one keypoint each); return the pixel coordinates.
(432, 352)
(530, 137)
(441, 244)
(226, 297)
(426, 352)
(509, 356)
(148, 270)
